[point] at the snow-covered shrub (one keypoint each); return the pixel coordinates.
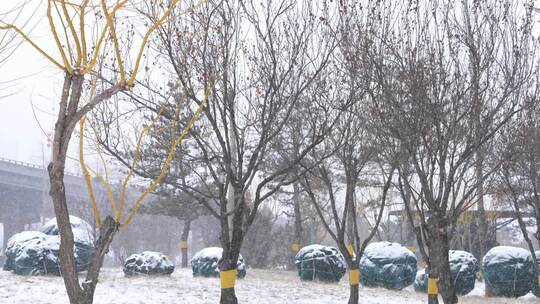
(389, 265)
(33, 253)
(36, 252)
(148, 263)
(83, 238)
(205, 263)
(463, 267)
(324, 263)
(508, 271)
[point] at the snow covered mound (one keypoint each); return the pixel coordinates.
(82, 231)
(324, 263)
(206, 263)
(508, 271)
(32, 253)
(36, 252)
(463, 267)
(148, 263)
(389, 265)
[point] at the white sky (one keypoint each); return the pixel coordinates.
(20, 136)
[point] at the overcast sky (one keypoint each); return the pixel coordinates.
(32, 79)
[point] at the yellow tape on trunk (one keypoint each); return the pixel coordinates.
(295, 247)
(354, 277)
(183, 245)
(350, 249)
(432, 288)
(228, 278)
(538, 280)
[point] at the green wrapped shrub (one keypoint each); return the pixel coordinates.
(33, 253)
(508, 271)
(83, 237)
(205, 263)
(148, 263)
(463, 267)
(388, 265)
(317, 262)
(37, 252)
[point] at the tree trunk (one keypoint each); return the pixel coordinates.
(184, 243)
(433, 274)
(67, 258)
(228, 295)
(71, 93)
(438, 257)
(232, 236)
(482, 232)
(353, 283)
(107, 232)
(298, 231)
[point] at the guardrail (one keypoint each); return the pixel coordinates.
(20, 163)
(30, 165)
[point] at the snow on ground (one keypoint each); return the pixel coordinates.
(260, 286)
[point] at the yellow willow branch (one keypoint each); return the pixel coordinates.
(57, 40)
(64, 28)
(110, 23)
(83, 32)
(169, 159)
(86, 174)
(35, 46)
(91, 170)
(101, 38)
(73, 32)
(134, 164)
(69, 3)
(105, 180)
(157, 24)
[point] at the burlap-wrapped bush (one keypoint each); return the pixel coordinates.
(317, 262)
(148, 263)
(387, 265)
(36, 252)
(463, 267)
(205, 263)
(508, 271)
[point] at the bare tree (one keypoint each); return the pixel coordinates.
(81, 56)
(518, 176)
(438, 115)
(264, 57)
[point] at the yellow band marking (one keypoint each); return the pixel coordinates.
(350, 249)
(228, 278)
(354, 277)
(433, 289)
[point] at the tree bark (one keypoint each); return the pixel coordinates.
(228, 295)
(433, 274)
(71, 94)
(439, 259)
(63, 129)
(107, 232)
(184, 246)
(482, 232)
(353, 288)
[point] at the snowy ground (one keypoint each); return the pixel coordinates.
(260, 286)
